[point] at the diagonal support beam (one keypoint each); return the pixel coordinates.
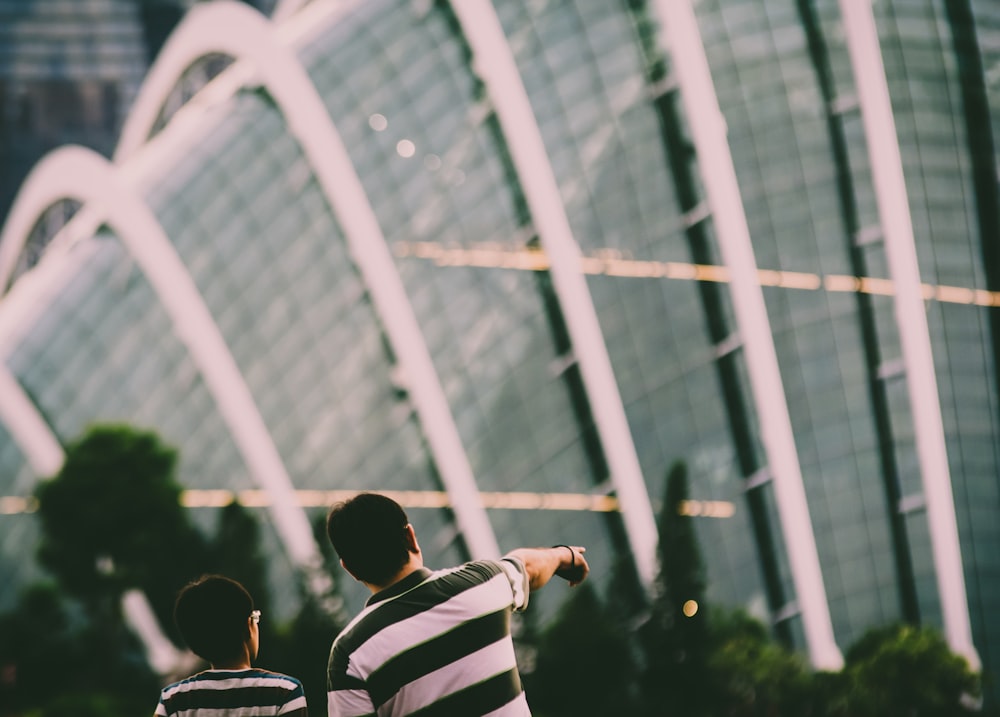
(493, 61)
(29, 430)
(81, 174)
(911, 319)
(254, 41)
(708, 129)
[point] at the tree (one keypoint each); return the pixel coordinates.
(112, 520)
(237, 553)
(675, 638)
(303, 647)
(36, 652)
(908, 670)
(749, 674)
(584, 665)
(55, 661)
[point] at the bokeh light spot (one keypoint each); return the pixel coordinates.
(405, 148)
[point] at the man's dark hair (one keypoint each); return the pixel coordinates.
(211, 614)
(369, 534)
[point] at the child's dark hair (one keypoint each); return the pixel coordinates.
(211, 614)
(369, 534)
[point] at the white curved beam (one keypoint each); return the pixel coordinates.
(34, 290)
(45, 455)
(81, 174)
(32, 200)
(286, 8)
(252, 39)
(494, 62)
(708, 132)
(29, 430)
(911, 320)
(163, 657)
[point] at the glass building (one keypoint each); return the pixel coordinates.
(514, 260)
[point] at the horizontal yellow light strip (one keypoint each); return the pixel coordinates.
(607, 262)
(707, 508)
(410, 499)
(209, 498)
(13, 504)
(516, 500)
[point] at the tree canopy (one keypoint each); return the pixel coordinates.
(112, 519)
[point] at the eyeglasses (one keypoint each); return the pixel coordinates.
(255, 616)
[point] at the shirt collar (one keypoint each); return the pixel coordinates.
(400, 586)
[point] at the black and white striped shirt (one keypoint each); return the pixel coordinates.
(233, 693)
(434, 643)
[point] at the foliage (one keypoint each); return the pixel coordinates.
(907, 670)
(674, 642)
(87, 704)
(55, 659)
(112, 519)
(584, 664)
(237, 553)
(35, 647)
(302, 649)
(748, 674)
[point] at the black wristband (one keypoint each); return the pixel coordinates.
(573, 573)
(572, 553)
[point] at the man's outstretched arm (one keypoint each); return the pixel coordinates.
(541, 564)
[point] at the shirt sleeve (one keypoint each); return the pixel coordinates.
(296, 704)
(161, 708)
(517, 575)
(347, 695)
(349, 701)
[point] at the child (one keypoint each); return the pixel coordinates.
(216, 618)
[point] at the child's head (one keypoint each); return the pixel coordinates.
(215, 616)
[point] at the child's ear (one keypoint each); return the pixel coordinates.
(252, 642)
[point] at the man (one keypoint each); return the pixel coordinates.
(216, 618)
(437, 643)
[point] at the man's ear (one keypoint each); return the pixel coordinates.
(411, 539)
(349, 571)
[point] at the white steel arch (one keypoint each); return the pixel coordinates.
(911, 319)
(45, 455)
(494, 62)
(286, 8)
(27, 427)
(81, 174)
(708, 130)
(251, 38)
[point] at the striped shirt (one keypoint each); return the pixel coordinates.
(433, 644)
(233, 693)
